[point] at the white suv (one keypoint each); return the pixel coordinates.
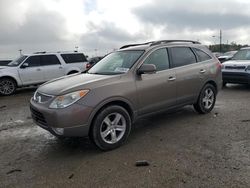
(38, 68)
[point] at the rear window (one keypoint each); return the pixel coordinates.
(73, 58)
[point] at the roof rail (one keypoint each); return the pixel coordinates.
(170, 41)
(44, 52)
(152, 43)
(131, 45)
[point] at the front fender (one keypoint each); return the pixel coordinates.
(109, 101)
(13, 76)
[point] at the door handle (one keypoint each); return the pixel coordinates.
(38, 69)
(171, 78)
(202, 71)
(60, 67)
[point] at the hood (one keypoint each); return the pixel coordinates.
(237, 62)
(75, 82)
(225, 57)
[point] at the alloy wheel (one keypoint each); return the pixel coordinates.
(7, 87)
(208, 98)
(113, 128)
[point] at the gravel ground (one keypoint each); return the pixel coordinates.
(183, 149)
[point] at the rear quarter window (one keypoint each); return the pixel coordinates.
(73, 58)
(182, 56)
(202, 56)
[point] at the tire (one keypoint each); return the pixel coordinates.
(224, 84)
(7, 86)
(111, 128)
(206, 100)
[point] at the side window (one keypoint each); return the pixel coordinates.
(182, 56)
(33, 61)
(202, 56)
(49, 60)
(159, 58)
(74, 58)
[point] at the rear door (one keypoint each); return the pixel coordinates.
(52, 67)
(189, 74)
(33, 72)
(156, 91)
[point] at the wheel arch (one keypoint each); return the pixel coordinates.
(11, 77)
(213, 83)
(117, 101)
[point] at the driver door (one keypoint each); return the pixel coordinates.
(156, 91)
(30, 71)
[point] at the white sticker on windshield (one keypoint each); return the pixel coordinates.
(121, 69)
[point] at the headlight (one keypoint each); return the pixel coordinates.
(68, 99)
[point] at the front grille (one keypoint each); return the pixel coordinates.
(38, 117)
(42, 98)
(236, 67)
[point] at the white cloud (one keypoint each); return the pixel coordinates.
(107, 24)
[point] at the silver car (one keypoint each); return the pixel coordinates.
(137, 80)
(237, 70)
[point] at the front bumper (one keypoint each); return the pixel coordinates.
(236, 77)
(71, 121)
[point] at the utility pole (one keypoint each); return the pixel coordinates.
(220, 41)
(76, 48)
(20, 51)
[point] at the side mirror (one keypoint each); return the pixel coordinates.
(146, 69)
(24, 65)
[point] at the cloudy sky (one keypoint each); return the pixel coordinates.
(99, 26)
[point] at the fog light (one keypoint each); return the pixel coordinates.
(58, 131)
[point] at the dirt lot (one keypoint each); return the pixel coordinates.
(184, 149)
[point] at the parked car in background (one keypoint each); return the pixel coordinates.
(137, 80)
(4, 62)
(92, 61)
(34, 69)
(237, 70)
(226, 56)
(217, 54)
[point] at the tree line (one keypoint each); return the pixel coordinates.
(226, 47)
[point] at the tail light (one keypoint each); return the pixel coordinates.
(88, 65)
(219, 65)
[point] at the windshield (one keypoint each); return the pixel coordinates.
(242, 55)
(116, 63)
(17, 61)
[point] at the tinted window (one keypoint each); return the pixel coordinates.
(159, 58)
(49, 60)
(182, 56)
(73, 58)
(33, 61)
(202, 56)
